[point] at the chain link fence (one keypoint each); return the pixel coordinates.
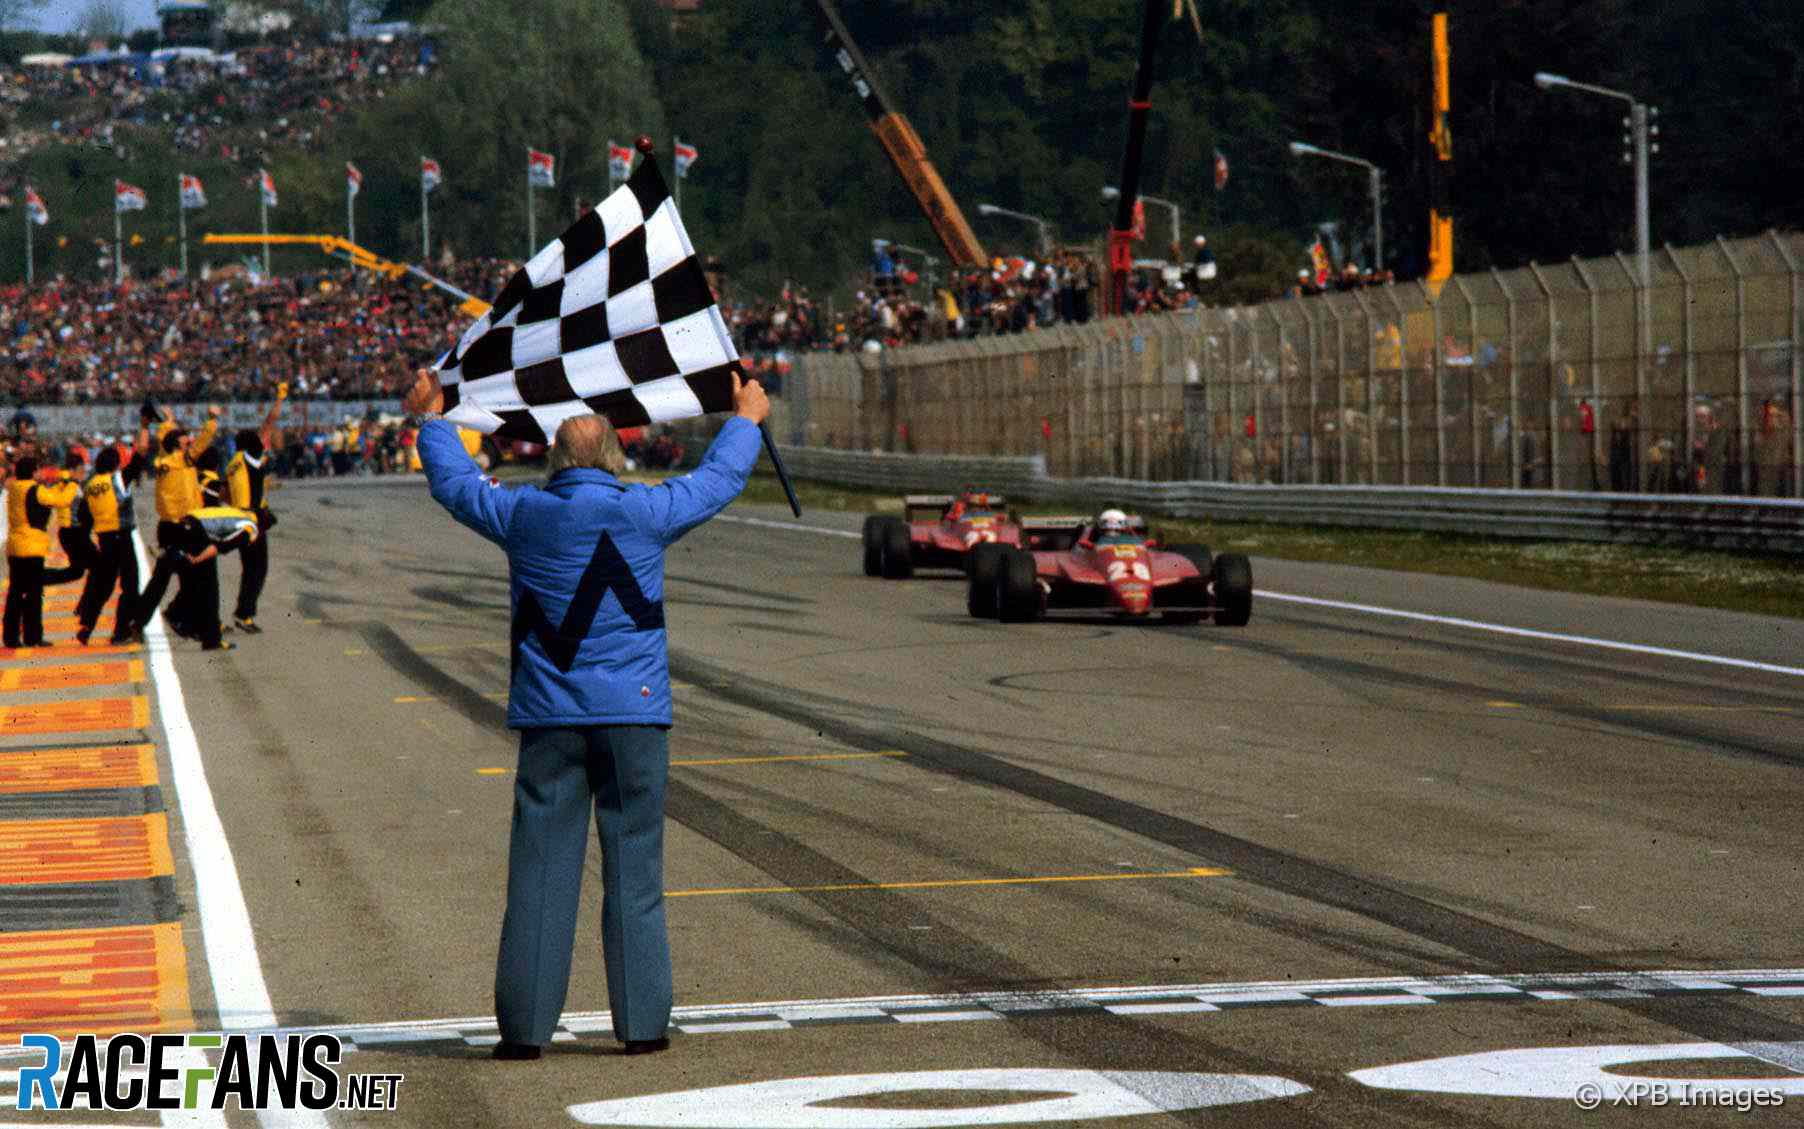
(1564, 377)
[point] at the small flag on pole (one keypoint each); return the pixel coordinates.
(193, 195)
(540, 169)
(128, 198)
(685, 156)
(620, 161)
(34, 207)
(266, 184)
(430, 176)
(615, 316)
(1221, 170)
(353, 179)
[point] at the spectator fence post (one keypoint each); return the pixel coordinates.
(1509, 307)
(1312, 354)
(1473, 453)
(1745, 485)
(1284, 459)
(1439, 369)
(1340, 393)
(1403, 445)
(1688, 327)
(1797, 363)
(1553, 380)
(1371, 383)
(1584, 277)
(1643, 339)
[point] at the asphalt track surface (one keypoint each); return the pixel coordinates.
(1092, 846)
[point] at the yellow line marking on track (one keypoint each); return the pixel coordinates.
(1504, 705)
(776, 759)
(493, 771)
(949, 883)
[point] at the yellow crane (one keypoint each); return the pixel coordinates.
(342, 248)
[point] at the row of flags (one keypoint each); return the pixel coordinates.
(540, 169)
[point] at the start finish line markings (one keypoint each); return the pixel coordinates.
(1215, 1001)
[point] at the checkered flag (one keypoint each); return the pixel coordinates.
(614, 316)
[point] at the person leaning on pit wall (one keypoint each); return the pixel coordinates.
(591, 699)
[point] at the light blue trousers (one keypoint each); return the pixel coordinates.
(622, 770)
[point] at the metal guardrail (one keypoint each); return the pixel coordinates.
(1693, 521)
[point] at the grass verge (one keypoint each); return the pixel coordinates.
(1762, 583)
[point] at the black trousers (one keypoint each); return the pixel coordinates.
(169, 536)
(80, 552)
(254, 558)
(24, 602)
(115, 564)
(200, 591)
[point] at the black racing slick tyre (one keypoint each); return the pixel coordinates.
(1017, 588)
(984, 565)
(894, 550)
(1233, 590)
(873, 545)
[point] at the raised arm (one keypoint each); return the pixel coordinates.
(681, 504)
(457, 483)
(267, 432)
(204, 439)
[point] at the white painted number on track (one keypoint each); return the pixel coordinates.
(794, 1103)
(1566, 1072)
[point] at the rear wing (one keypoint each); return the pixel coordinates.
(928, 507)
(1052, 534)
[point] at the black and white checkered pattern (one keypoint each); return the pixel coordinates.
(614, 316)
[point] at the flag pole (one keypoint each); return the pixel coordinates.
(263, 218)
(425, 219)
(532, 234)
(181, 219)
(350, 211)
(28, 270)
(118, 245)
(676, 185)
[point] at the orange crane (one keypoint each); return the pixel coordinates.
(340, 247)
(903, 145)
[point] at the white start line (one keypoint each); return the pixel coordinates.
(1399, 613)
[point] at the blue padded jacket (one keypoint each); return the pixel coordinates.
(585, 557)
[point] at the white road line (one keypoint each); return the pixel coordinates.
(792, 525)
(1530, 633)
(239, 991)
(1420, 617)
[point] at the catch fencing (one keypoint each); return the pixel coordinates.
(1564, 377)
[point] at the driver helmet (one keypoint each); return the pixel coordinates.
(1112, 521)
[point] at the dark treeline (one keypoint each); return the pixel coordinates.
(1023, 105)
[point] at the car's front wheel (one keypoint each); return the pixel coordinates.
(984, 565)
(873, 545)
(1018, 588)
(1233, 590)
(895, 553)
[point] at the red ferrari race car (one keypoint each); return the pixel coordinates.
(936, 531)
(1107, 564)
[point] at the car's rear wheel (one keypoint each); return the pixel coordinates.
(1233, 590)
(1017, 588)
(984, 563)
(894, 551)
(873, 546)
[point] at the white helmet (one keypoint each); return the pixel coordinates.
(1112, 521)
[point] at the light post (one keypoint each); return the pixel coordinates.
(1110, 192)
(1640, 114)
(1045, 234)
(1376, 176)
